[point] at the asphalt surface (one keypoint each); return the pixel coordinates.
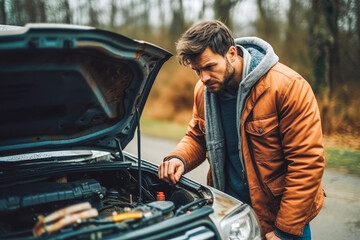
(339, 218)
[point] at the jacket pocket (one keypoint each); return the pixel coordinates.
(275, 188)
(276, 185)
(265, 140)
(262, 127)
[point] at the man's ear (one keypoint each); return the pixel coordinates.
(232, 53)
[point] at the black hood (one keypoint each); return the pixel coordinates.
(70, 87)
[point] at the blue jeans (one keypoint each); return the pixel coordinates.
(306, 235)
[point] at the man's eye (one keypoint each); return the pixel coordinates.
(209, 68)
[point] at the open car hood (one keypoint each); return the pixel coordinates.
(70, 87)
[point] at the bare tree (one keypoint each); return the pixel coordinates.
(113, 12)
(317, 46)
(3, 12)
(268, 25)
(67, 10)
(331, 10)
(294, 48)
(222, 10)
(177, 24)
(93, 13)
(357, 11)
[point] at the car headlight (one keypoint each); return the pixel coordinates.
(241, 224)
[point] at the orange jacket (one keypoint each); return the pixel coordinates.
(282, 149)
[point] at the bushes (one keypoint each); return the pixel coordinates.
(172, 95)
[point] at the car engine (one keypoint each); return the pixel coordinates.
(86, 199)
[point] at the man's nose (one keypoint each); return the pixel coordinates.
(204, 76)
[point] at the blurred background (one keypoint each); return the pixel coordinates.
(318, 38)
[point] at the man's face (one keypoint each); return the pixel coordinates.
(214, 70)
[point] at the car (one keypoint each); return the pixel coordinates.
(71, 100)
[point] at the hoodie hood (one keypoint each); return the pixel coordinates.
(263, 58)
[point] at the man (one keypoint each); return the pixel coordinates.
(258, 123)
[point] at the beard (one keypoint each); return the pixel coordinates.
(229, 75)
(226, 81)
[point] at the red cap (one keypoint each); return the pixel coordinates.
(160, 196)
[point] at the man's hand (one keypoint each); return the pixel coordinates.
(271, 236)
(171, 170)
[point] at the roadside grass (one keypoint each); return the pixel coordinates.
(341, 158)
(162, 128)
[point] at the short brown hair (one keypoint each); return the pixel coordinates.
(195, 40)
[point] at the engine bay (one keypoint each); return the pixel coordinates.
(83, 200)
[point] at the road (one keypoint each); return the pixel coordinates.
(339, 218)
